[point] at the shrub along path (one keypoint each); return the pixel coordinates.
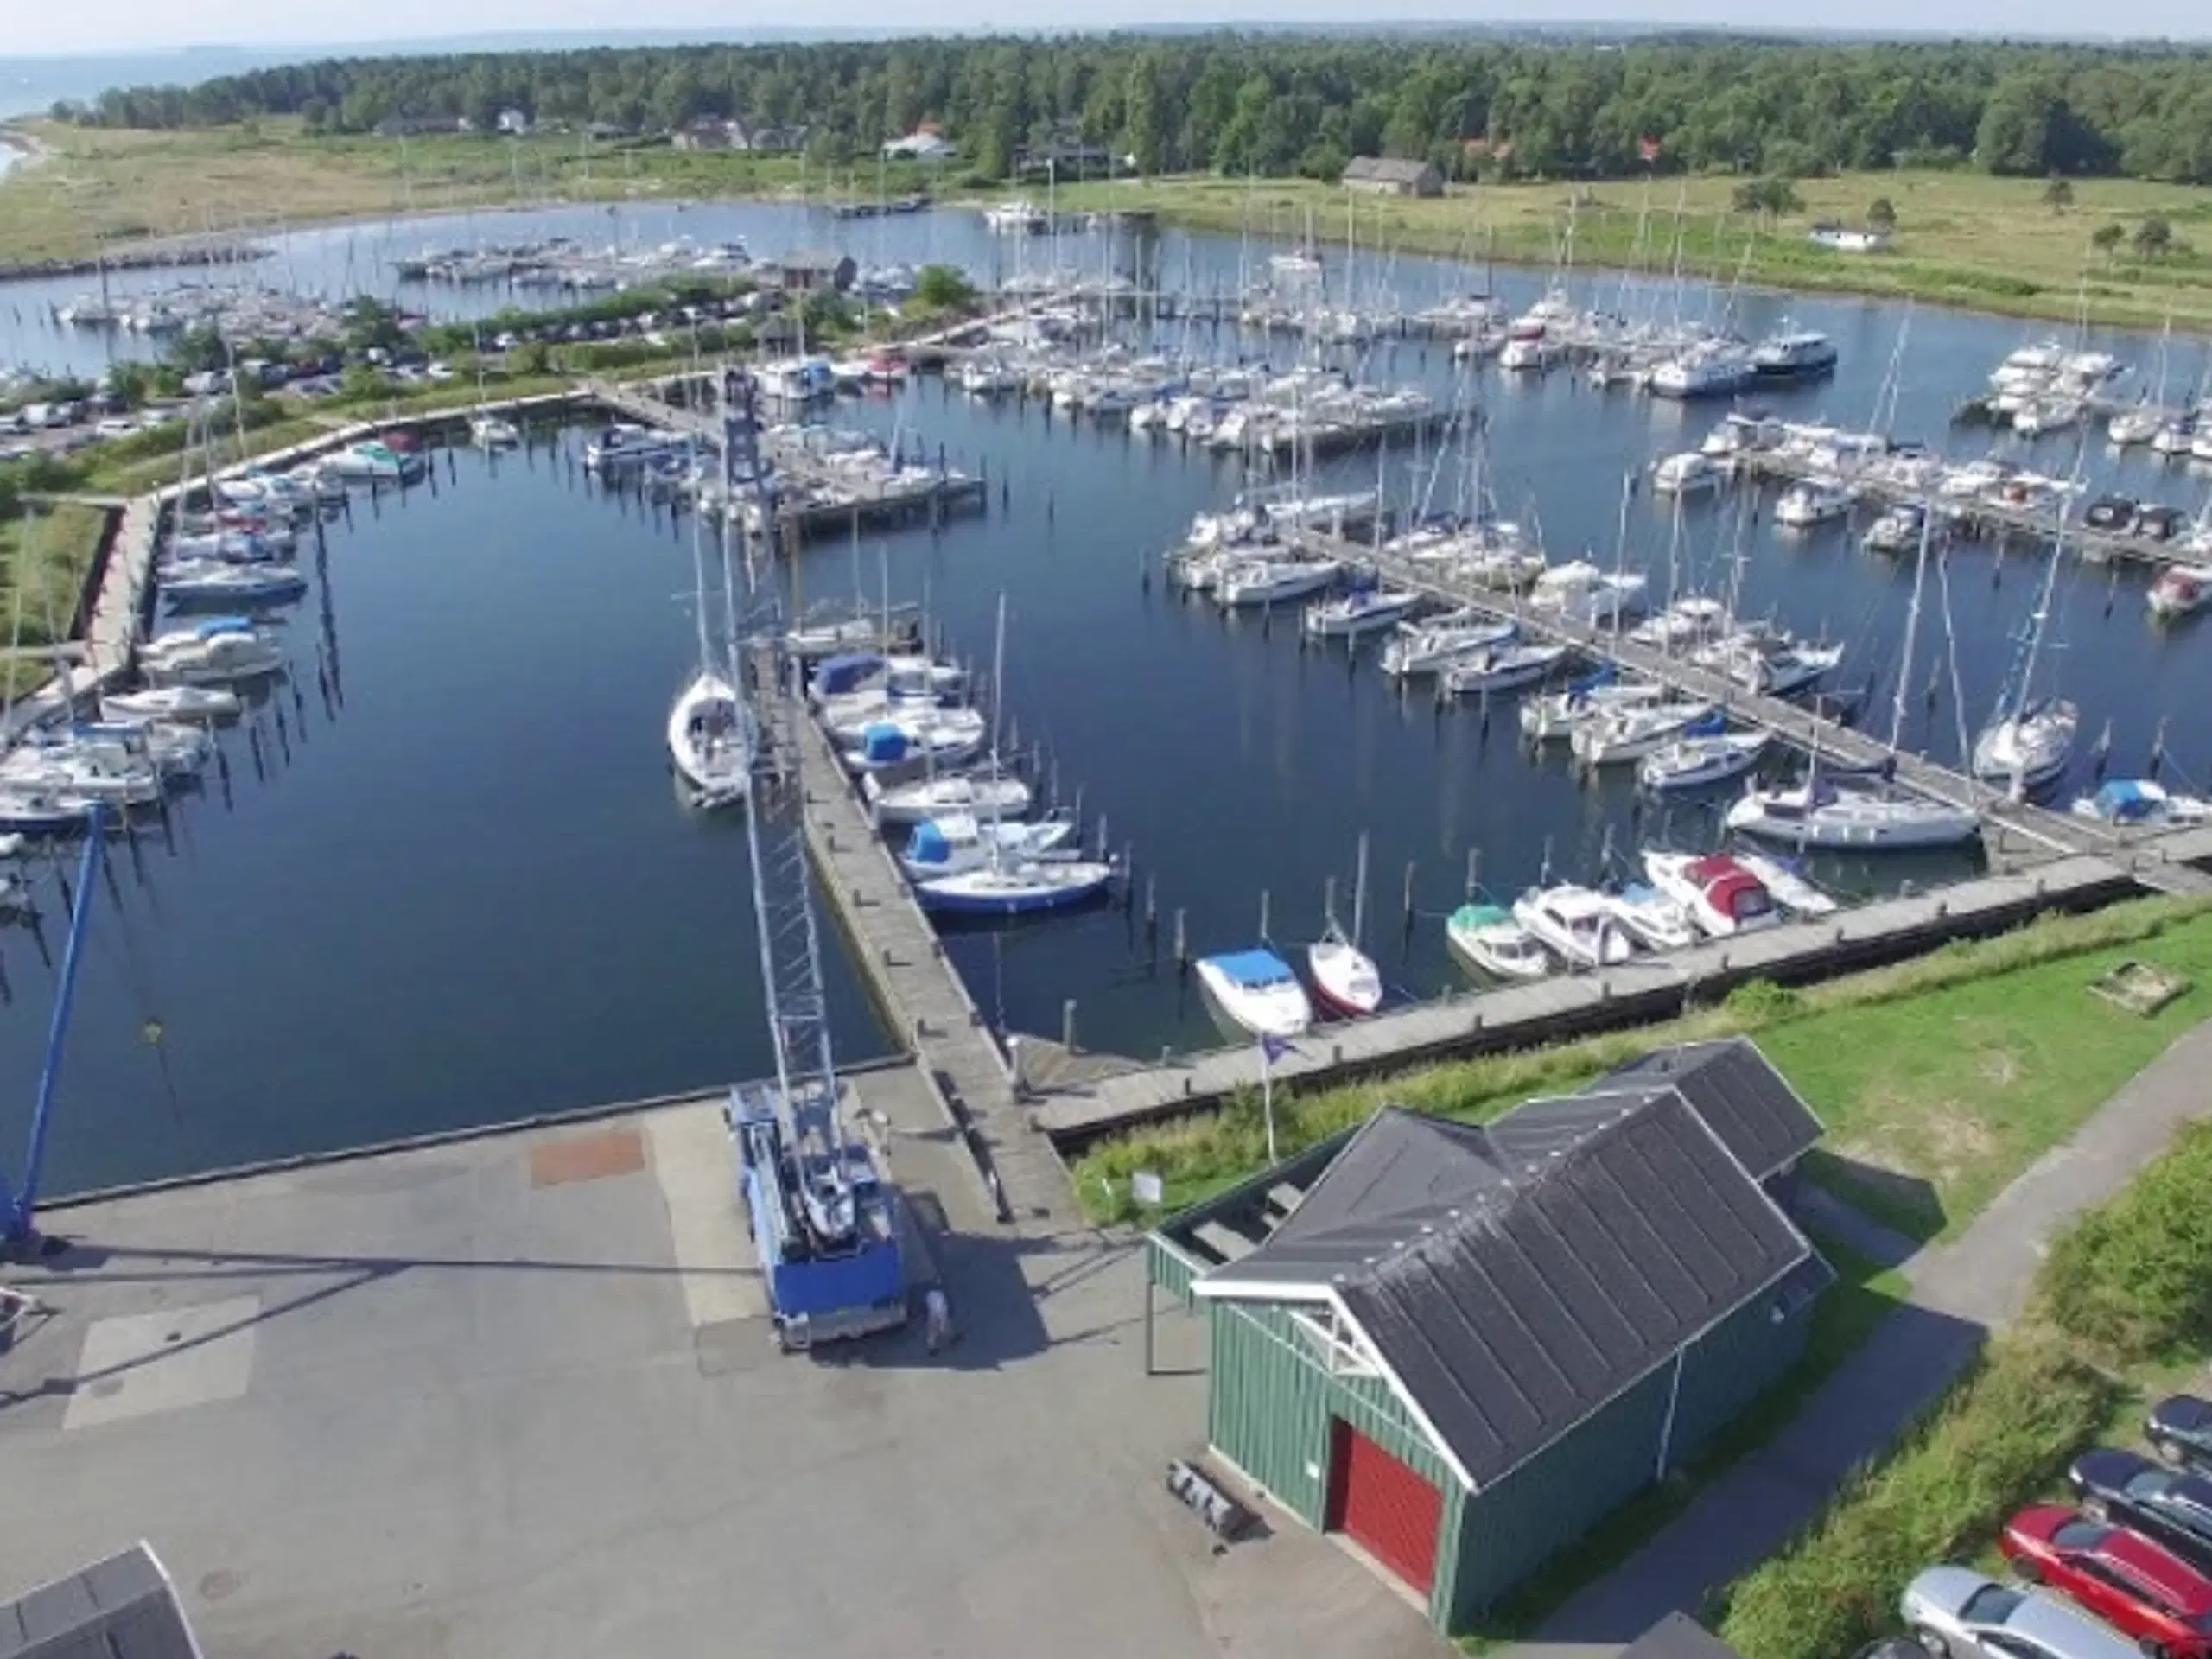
(1977, 1283)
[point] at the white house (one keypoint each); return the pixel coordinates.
(515, 122)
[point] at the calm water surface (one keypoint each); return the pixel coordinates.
(466, 892)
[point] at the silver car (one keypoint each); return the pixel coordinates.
(1957, 1613)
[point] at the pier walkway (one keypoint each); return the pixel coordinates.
(1551, 1010)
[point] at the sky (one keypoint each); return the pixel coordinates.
(28, 26)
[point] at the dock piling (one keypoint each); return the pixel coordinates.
(1182, 943)
(1410, 865)
(1263, 915)
(1474, 872)
(1067, 1025)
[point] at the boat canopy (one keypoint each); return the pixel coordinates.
(1730, 888)
(1468, 915)
(840, 674)
(1254, 969)
(2125, 800)
(219, 624)
(883, 744)
(1712, 724)
(1605, 675)
(929, 844)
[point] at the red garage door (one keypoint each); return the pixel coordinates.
(1382, 1506)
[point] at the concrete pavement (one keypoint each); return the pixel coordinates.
(1977, 1283)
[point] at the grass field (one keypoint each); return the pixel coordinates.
(1938, 1081)
(45, 555)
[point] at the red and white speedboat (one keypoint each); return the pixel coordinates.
(2180, 589)
(1345, 977)
(1723, 898)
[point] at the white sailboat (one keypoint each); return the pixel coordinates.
(1502, 668)
(1364, 610)
(1418, 648)
(1345, 977)
(956, 843)
(172, 702)
(711, 740)
(1618, 736)
(984, 795)
(222, 651)
(1699, 762)
(2030, 743)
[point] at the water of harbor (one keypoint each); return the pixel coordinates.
(467, 893)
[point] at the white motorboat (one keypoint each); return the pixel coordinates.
(1501, 668)
(30, 812)
(959, 842)
(2028, 750)
(493, 432)
(1693, 619)
(1792, 353)
(1430, 647)
(1247, 583)
(218, 582)
(1788, 885)
(1653, 918)
(988, 377)
(711, 740)
(1019, 218)
(1699, 762)
(2180, 590)
(1630, 733)
(2129, 801)
(1805, 504)
(982, 795)
(1256, 992)
(2133, 426)
(222, 651)
(1709, 369)
(1853, 817)
(1691, 472)
(172, 702)
(1364, 610)
(1719, 893)
(1579, 592)
(373, 462)
(1897, 531)
(1346, 978)
(1489, 940)
(1576, 924)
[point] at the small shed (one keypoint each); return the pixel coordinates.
(1460, 1346)
(817, 271)
(1384, 175)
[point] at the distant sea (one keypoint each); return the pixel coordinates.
(32, 85)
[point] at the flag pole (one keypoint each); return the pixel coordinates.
(1267, 1096)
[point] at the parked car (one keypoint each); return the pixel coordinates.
(117, 426)
(1892, 1647)
(2134, 1584)
(1957, 1613)
(2175, 1508)
(2179, 1429)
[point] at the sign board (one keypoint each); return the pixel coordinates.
(1147, 1188)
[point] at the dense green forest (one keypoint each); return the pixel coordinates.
(1283, 104)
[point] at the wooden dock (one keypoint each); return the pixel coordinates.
(917, 990)
(1640, 992)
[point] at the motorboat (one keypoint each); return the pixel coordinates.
(1576, 924)
(1012, 887)
(1653, 918)
(1430, 647)
(1709, 369)
(2180, 590)
(1489, 940)
(2028, 750)
(1501, 668)
(172, 702)
(374, 461)
(1248, 583)
(1771, 664)
(218, 582)
(1561, 714)
(1632, 732)
(1020, 218)
(132, 744)
(1896, 530)
(1787, 883)
(1719, 893)
(222, 651)
(855, 675)
(1791, 353)
(711, 740)
(2125, 427)
(1364, 610)
(1256, 992)
(1693, 619)
(1809, 503)
(1346, 979)
(33, 811)
(1853, 816)
(1699, 762)
(1691, 472)
(493, 432)
(2131, 801)
(985, 796)
(960, 840)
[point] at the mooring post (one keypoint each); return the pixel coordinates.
(1067, 1025)
(1474, 872)
(1410, 895)
(1263, 915)
(1182, 946)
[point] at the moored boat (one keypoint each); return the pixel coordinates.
(1488, 939)
(1576, 924)
(1718, 893)
(1346, 979)
(1701, 761)
(1256, 992)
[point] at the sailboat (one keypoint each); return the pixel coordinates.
(1861, 816)
(959, 842)
(2028, 744)
(1345, 977)
(710, 736)
(982, 795)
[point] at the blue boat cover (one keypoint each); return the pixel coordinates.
(2123, 801)
(1253, 968)
(839, 675)
(1706, 725)
(1582, 688)
(216, 625)
(928, 845)
(883, 744)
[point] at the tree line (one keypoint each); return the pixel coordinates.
(1284, 104)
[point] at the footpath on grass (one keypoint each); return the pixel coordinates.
(1975, 1285)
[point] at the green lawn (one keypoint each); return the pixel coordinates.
(45, 558)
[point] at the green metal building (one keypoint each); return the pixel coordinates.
(1458, 1348)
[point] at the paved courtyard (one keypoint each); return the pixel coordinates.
(515, 1395)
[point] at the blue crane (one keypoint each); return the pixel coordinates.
(825, 1225)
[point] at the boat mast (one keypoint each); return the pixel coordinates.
(1911, 628)
(1359, 893)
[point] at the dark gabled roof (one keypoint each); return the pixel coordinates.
(121, 1608)
(1736, 1090)
(1516, 1277)
(1387, 169)
(1678, 1636)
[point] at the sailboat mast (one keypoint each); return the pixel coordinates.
(998, 679)
(1359, 895)
(1911, 628)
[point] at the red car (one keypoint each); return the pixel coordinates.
(2138, 1587)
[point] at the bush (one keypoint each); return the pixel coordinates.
(2134, 1275)
(1761, 1001)
(1990, 1445)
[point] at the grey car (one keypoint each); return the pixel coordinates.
(1957, 1613)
